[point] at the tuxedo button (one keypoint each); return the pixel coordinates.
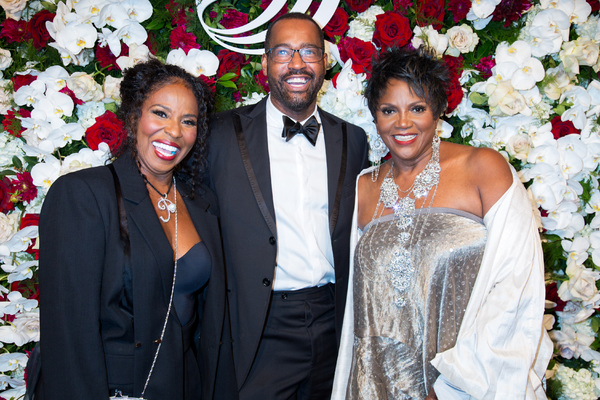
(137, 344)
(266, 282)
(284, 296)
(272, 240)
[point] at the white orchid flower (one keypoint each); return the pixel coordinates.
(66, 134)
(137, 54)
(478, 23)
(444, 129)
(575, 114)
(532, 96)
(576, 249)
(20, 241)
(576, 225)
(63, 17)
(593, 90)
(85, 158)
(45, 173)
(546, 153)
(55, 78)
(542, 135)
(16, 303)
(109, 38)
(197, 62)
(548, 186)
(531, 72)
(542, 46)
(55, 104)
(577, 96)
(574, 313)
(12, 361)
(518, 52)
(581, 11)
(112, 14)
(428, 35)
(90, 9)
(132, 32)
(27, 96)
(478, 117)
(561, 217)
(484, 8)
(483, 137)
(76, 36)
(82, 58)
(19, 272)
(551, 25)
(139, 10)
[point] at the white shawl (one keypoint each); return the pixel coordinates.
(502, 350)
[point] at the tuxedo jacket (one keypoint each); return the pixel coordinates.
(240, 175)
(92, 339)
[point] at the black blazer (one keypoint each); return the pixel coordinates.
(250, 244)
(91, 341)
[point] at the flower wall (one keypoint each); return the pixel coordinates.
(525, 82)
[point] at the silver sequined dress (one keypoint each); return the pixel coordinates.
(400, 324)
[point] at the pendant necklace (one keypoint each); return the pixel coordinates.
(164, 203)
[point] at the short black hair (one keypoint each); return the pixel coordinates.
(293, 15)
(426, 76)
(139, 82)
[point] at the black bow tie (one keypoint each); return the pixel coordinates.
(310, 129)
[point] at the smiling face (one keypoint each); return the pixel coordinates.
(405, 123)
(167, 129)
(294, 85)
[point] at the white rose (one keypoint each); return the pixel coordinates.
(112, 87)
(5, 59)
(13, 8)
(559, 84)
(461, 39)
(27, 325)
(430, 36)
(5, 97)
(518, 146)
(9, 225)
(85, 87)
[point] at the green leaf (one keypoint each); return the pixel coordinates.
(155, 25)
(227, 84)
(17, 162)
(7, 172)
(227, 77)
(477, 98)
(595, 322)
(111, 107)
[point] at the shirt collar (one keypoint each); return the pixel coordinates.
(276, 116)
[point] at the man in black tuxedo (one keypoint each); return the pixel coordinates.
(286, 202)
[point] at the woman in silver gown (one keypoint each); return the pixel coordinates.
(447, 291)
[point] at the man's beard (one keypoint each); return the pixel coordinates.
(293, 101)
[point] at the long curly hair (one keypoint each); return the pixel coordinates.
(146, 78)
(426, 76)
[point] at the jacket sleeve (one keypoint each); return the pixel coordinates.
(72, 252)
(502, 350)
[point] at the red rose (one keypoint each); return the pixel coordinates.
(430, 12)
(22, 80)
(552, 295)
(5, 194)
(392, 29)
(108, 129)
(180, 38)
(562, 128)
(459, 9)
(360, 52)
(14, 31)
(233, 18)
(510, 10)
(30, 220)
(595, 4)
(12, 122)
(454, 64)
(107, 59)
(337, 25)
(359, 5)
(402, 5)
(262, 80)
(230, 61)
(37, 27)
(454, 93)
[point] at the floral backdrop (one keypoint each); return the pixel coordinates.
(526, 83)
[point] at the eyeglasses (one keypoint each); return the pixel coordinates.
(282, 54)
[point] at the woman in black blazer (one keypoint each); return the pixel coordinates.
(109, 238)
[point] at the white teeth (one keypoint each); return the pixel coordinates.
(404, 138)
(297, 80)
(165, 147)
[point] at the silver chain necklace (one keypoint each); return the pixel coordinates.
(400, 269)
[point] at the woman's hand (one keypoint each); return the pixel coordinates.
(431, 395)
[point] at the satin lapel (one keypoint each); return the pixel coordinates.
(333, 147)
(254, 130)
(142, 217)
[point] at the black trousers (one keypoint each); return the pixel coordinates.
(298, 350)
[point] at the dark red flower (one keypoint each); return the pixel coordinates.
(22, 80)
(562, 128)
(109, 129)
(70, 93)
(266, 3)
(11, 122)
(360, 52)
(510, 10)
(312, 9)
(430, 12)
(23, 187)
(15, 31)
(552, 295)
(485, 66)
(358, 5)
(107, 59)
(230, 61)
(5, 191)
(455, 94)
(595, 5)
(392, 29)
(459, 9)
(262, 80)
(454, 64)
(210, 82)
(233, 18)
(177, 12)
(182, 39)
(337, 25)
(402, 6)
(30, 220)
(37, 28)
(237, 96)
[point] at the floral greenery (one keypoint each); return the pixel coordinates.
(526, 83)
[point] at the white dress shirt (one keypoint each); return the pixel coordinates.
(300, 197)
